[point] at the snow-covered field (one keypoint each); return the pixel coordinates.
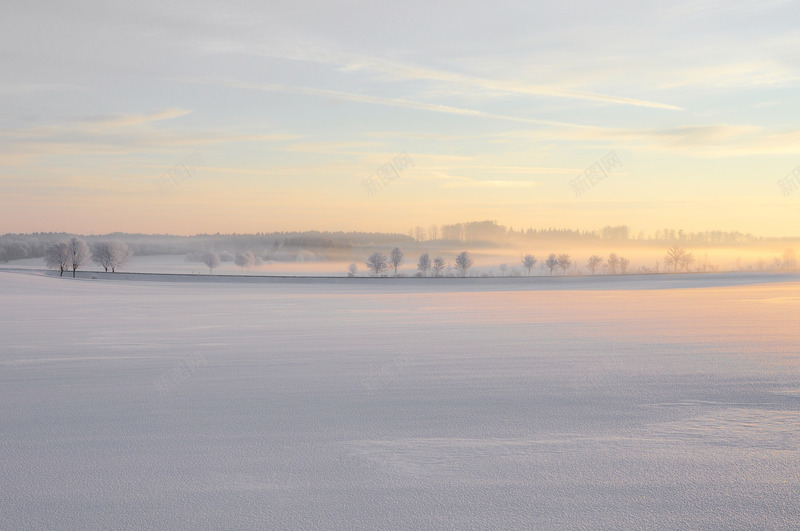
(136, 401)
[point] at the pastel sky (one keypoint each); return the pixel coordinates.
(280, 111)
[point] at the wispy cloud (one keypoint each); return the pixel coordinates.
(33, 88)
(376, 100)
(127, 120)
(396, 71)
(461, 80)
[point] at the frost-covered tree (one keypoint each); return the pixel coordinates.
(789, 259)
(613, 263)
(438, 266)
(396, 259)
(463, 263)
(245, 259)
(57, 257)
(120, 254)
(211, 259)
(377, 263)
(529, 261)
(593, 263)
(101, 254)
(110, 254)
(552, 262)
(352, 270)
(424, 264)
(78, 253)
(564, 261)
(675, 257)
(686, 261)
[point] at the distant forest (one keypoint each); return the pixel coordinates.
(281, 246)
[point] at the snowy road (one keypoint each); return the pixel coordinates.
(560, 404)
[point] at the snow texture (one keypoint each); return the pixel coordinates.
(154, 401)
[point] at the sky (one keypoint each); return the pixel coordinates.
(199, 117)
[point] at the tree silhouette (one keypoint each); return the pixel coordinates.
(613, 263)
(529, 261)
(78, 253)
(593, 263)
(57, 257)
(676, 257)
(424, 264)
(564, 261)
(211, 259)
(463, 262)
(396, 258)
(551, 262)
(377, 263)
(246, 259)
(438, 266)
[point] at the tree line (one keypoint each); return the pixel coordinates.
(677, 259)
(377, 263)
(74, 253)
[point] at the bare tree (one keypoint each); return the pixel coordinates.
(433, 232)
(377, 263)
(57, 257)
(551, 262)
(424, 264)
(438, 266)
(396, 259)
(102, 255)
(463, 262)
(503, 269)
(419, 233)
(613, 263)
(789, 259)
(120, 254)
(623, 265)
(352, 270)
(675, 257)
(687, 260)
(593, 263)
(110, 254)
(564, 261)
(78, 253)
(211, 259)
(529, 261)
(245, 259)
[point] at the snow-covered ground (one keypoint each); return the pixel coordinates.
(150, 401)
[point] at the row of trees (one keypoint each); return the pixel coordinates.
(74, 253)
(377, 263)
(613, 265)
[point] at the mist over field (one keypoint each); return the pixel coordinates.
(496, 250)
